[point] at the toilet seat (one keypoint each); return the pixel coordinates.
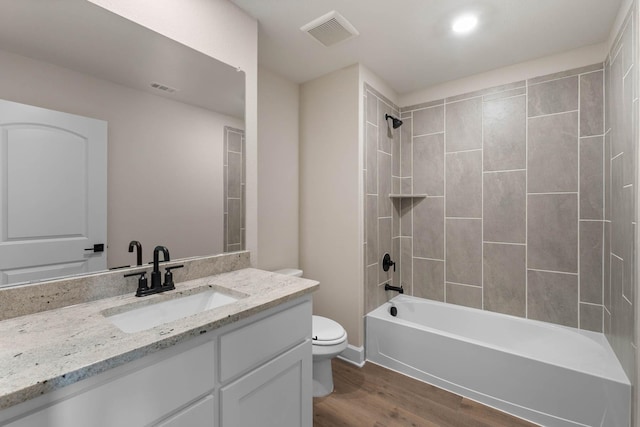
(326, 332)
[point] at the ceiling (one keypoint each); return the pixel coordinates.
(409, 44)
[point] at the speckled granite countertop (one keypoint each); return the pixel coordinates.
(45, 351)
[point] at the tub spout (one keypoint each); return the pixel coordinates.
(388, 287)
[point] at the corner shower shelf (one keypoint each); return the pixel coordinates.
(407, 196)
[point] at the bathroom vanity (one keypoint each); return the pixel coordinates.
(245, 363)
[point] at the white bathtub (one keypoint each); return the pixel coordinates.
(548, 374)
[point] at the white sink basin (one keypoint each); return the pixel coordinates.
(152, 315)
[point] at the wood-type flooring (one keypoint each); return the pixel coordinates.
(374, 396)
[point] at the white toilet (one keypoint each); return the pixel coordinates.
(329, 339)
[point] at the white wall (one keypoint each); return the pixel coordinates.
(220, 29)
(277, 171)
(330, 243)
(164, 157)
(538, 67)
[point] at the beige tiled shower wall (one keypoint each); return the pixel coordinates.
(514, 217)
(382, 176)
(234, 189)
(621, 126)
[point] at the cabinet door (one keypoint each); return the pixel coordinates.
(200, 414)
(278, 394)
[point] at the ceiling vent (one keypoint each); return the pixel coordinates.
(330, 29)
(163, 88)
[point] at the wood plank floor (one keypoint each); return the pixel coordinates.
(377, 397)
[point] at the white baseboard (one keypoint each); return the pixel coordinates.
(353, 355)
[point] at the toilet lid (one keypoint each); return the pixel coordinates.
(326, 331)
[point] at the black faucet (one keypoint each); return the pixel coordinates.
(156, 282)
(138, 246)
(156, 277)
(399, 289)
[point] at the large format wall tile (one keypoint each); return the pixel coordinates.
(555, 96)
(504, 129)
(464, 184)
(428, 121)
(235, 221)
(372, 159)
(505, 278)
(591, 317)
(234, 172)
(372, 109)
(591, 261)
(606, 282)
(385, 135)
(384, 185)
(406, 147)
(617, 207)
(552, 231)
(551, 297)
(464, 251)
(469, 296)
(371, 213)
(428, 228)
(428, 164)
(617, 110)
(553, 153)
(591, 178)
(628, 252)
(464, 125)
(406, 268)
(629, 143)
(406, 217)
(504, 207)
(385, 245)
(428, 279)
(591, 104)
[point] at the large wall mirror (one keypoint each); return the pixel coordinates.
(174, 122)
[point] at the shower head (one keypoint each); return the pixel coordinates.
(396, 121)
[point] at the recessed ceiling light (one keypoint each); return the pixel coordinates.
(464, 24)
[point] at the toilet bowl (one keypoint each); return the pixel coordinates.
(329, 339)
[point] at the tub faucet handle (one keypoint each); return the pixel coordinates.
(387, 263)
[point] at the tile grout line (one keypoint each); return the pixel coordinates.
(605, 109)
(482, 205)
(444, 202)
(463, 151)
(412, 202)
(504, 171)
(565, 77)
(554, 114)
(502, 98)
(465, 284)
(504, 243)
(526, 202)
(578, 225)
(551, 193)
(553, 271)
(425, 134)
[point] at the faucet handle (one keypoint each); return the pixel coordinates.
(387, 262)
(168, 277)
(143, 287)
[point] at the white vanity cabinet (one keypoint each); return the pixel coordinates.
(272, 395)
(254, 372)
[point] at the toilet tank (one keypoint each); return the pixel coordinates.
(290, 272)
